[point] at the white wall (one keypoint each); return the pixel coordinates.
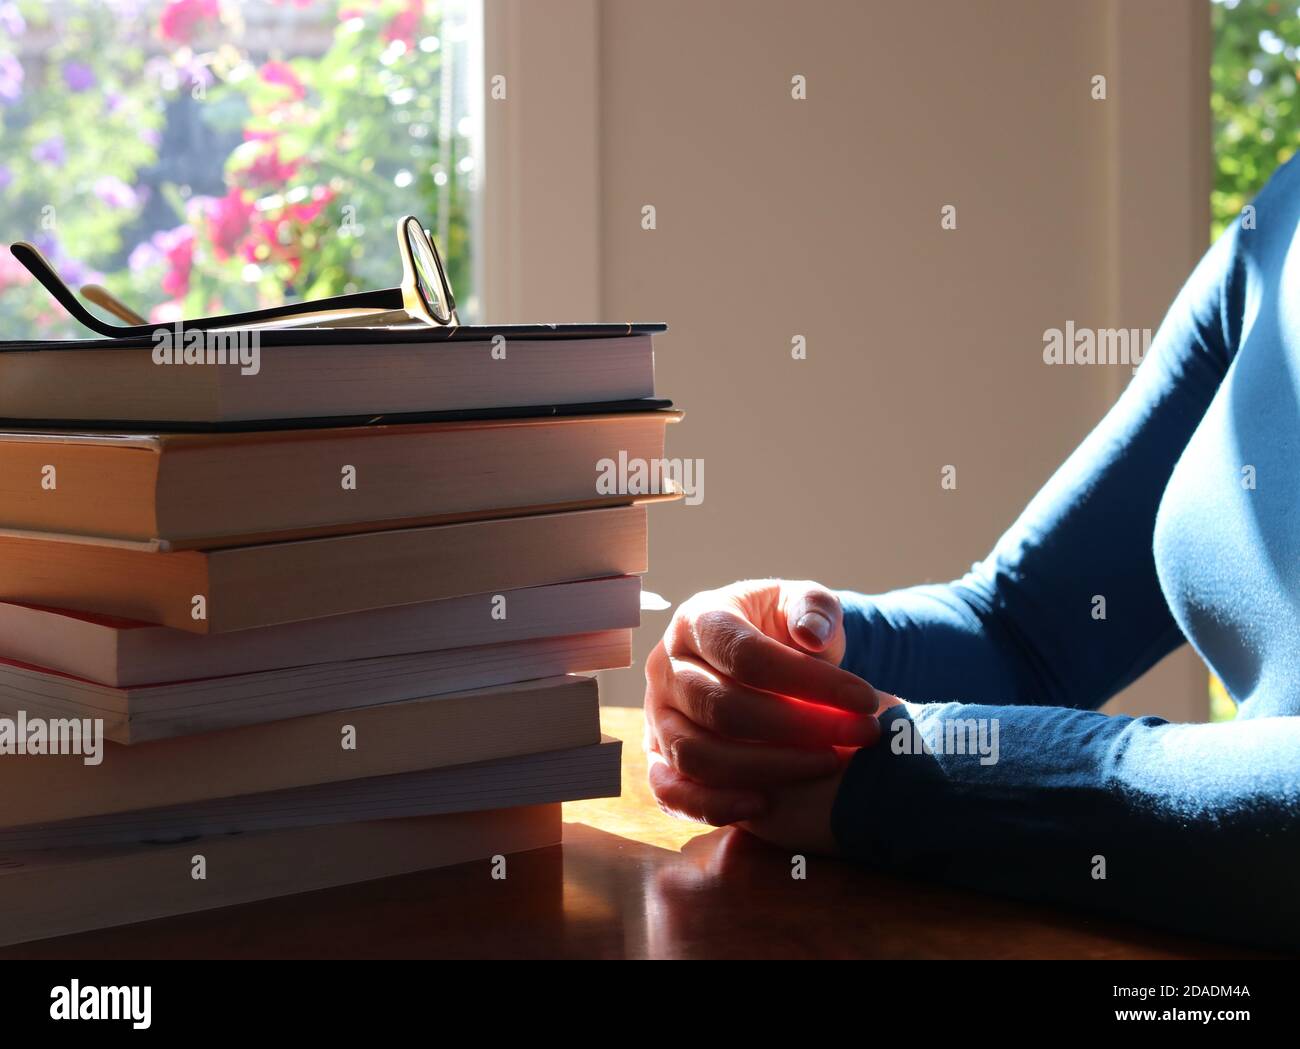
(821, 217)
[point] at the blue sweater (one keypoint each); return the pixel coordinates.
(1182, 511)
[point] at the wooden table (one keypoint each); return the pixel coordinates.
(630, 882)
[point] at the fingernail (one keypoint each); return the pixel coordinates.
(817, 625)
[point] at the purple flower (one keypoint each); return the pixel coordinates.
(50, 151)
(11, 78)
(171, 239)
(74, 273)
(194, 71)
(126, 10)
(11, 20)
(6, 176)
(78, 76)
(154, 251)
(150, 137)
(143, 256)
(115, 193)
(161, 70)
(112, 99)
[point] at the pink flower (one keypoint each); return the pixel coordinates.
(12, 272)
(266, 167)
(181, 18)
(405, 23)
(115, 193)
(310, 211)
(271, 242)
(282, 73)
(228, 221)
(178, 252)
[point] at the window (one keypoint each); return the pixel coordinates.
(201, 156)
(1255, 99)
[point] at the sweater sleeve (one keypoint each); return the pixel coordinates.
(1190, 827)
(1134, 817)
(1067, 609)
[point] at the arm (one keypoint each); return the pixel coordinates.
(1193, 827)
(1174, 815)
(741, 709)
(1019, 627)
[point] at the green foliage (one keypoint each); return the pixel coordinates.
(194, 177)
(1253, 78)
(54, 156)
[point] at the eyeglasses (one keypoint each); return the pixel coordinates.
(424, 296)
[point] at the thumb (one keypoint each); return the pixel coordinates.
(814, 618)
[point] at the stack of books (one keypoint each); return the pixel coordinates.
(270, 630)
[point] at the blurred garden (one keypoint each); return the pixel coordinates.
(201, 156)
(1254, 84)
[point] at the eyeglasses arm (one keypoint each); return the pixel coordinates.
(36, 264)
(105, 299)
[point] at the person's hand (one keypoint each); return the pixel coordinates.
(746, 704)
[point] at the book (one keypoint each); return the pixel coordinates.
(323, 374)
(201, 490)
(570, 774)
(141, 713)
(56, 892)
(237, 588)
(454, 729)
(126, 652)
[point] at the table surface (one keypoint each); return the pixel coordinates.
(631, 882)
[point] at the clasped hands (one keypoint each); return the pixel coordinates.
(750, 719)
